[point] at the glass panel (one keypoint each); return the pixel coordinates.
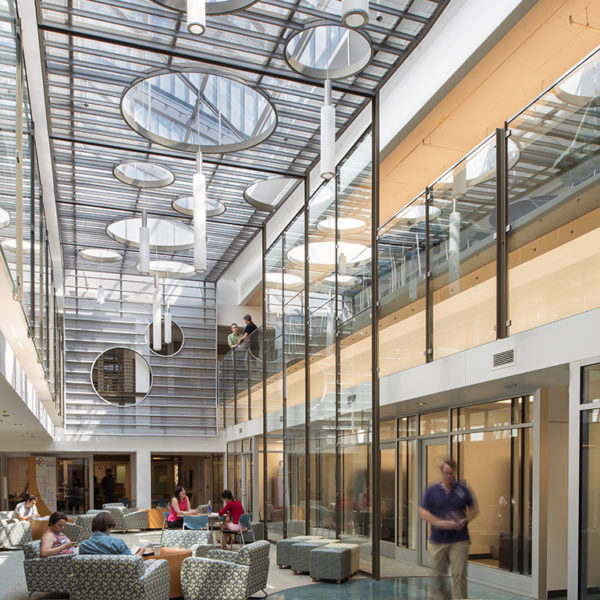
(18, 480)
(407, 495)
(275, 486)
(401, 294)
(553, 213)
(591, 384)
(589, 533)
(72, 495)
(387, 430)
(435, 422)
(482, 416)
(321, 340)
(388, 494)
(462, 251)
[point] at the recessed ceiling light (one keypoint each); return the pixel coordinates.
(421, 403)
(18, 424)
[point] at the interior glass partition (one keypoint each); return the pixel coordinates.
(462, 252)
(589, 487)
(553, 212)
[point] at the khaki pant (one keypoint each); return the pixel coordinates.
(454, 555)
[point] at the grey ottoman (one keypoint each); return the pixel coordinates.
(300, 554)
(284, 556)
(331, 562)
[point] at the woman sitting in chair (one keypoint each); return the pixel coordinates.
(232, 510)
(54, 541)
(180, 506)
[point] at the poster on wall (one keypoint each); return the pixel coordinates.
(45, 479)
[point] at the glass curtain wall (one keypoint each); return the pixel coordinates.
(23, 234)
(589, 487)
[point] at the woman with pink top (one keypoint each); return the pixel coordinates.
(180, 506)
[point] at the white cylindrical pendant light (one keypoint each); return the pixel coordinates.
(144, 258)
(327, 135)
(342, 268)
(100, 295)
(199, 198)
(454, 251)
(355, 13)
(196, 16)
(168, 326)
(156, 317)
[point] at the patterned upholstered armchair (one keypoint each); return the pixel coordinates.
(52, 574)
(196, 539)
(127, 518)
(224, 575)
(119, 577)
(85, 523)
(74, 532)
(13, 532)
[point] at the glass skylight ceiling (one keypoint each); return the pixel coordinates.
(96, 49)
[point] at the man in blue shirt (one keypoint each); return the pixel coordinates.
(448, 507)
(101, 542)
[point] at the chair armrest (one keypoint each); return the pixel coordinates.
(201, 549)
(136, 520)
(156, 579)
(227, 555)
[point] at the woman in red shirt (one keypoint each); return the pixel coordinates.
(232, 510)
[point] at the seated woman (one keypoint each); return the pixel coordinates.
(101, 542)
(180, 506)
(232, 510)
(54, 541)
(27, 509)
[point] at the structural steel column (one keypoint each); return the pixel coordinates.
(502, 322)
(307, 481)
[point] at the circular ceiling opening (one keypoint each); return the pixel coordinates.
(267, 194)
(185, 206)
(10, 245)
(172, 269)
(100, 255)
(345, 225)
(326, 50)
(191, 109)
(582, 86)
(289, 281)
(4, 218)
(213, 7)
(173, 347)
(344, 280)
(322, 254)
(143, 174)
(415, 213)
(121, 376)
(165, 235)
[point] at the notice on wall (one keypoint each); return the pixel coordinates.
(45, 479)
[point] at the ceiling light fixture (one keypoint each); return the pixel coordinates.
(156, 316)
(327, 135)
(144, 255)
(196, 16)
(355, 13)
(168, 325)
(100, 295)
(199, 193)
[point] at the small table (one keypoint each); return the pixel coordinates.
(174, 556)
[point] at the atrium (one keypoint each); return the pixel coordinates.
(397, 205)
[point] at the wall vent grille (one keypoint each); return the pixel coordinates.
(503, 359)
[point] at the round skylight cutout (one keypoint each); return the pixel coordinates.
(185, 206)
(582, 86)
(100, 255)
(267, 194)
(10, 245)
(165, 235)
(213, 7)
(343, 280)
(191, 109)
(4, 218)
(322, 254)
(345, 225)
(326, 50)
(143, 174)
(172, 269)
(415, 213)
(290, 281)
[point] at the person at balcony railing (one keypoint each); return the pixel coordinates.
(250, 337)
(233, 339)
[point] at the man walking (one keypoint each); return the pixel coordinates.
(448, 506)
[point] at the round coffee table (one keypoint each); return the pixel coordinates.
(174, 556)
